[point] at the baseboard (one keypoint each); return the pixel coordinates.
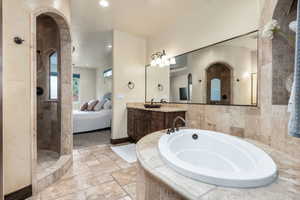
(21, 194)
(103, 129)
(121, 140)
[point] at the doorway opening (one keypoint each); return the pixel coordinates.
(52, 99)
(219, 84)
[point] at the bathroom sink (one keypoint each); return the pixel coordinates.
(152, 106)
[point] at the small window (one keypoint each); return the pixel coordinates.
(53, 76)
(215, 90)
(76, 87)
(107, 73)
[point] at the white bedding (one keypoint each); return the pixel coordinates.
(84, 121)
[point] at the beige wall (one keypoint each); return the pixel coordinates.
(199, 29)
(17, 88)
(87, 85)
(155, 76)
(129, 53)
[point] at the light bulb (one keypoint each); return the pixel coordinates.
(167, 62)
(164, 58)
(172, 61)
(104, 3)
(153, 63)
(158, 61)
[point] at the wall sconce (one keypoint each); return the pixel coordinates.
(161, 59)
(160, 87)
(131, 85)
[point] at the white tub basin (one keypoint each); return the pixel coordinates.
(217, 159)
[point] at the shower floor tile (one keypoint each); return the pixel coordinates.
(46, 159)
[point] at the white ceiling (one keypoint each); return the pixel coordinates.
(142, 17)
(92, 24)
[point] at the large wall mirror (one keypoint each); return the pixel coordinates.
(221, 74)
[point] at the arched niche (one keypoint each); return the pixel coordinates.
(283, 51)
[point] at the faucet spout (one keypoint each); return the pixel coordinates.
(152, 101)
(174, 128)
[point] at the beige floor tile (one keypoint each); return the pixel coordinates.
(125, 198)
(125, 176)
(97, 174)
(131, 190)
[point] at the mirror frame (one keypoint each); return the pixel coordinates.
(211, 45)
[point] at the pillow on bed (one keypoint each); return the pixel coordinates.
(99, 105)
(107, 105)
(84, 106)
(92, 104)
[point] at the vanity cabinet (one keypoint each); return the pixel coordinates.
(142, 122)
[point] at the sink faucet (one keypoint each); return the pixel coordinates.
(163, 101)
(152, 101)
(174, 128)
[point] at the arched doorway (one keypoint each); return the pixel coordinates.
(51, 98)
(218, 84)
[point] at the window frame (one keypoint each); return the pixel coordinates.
(50, 75)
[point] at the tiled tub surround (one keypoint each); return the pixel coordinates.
(157, 181)
(266, 123)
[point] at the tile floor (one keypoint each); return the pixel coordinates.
(97, 174)
(90, 139)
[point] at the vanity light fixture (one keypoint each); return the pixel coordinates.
(160, 59)
(104, 3)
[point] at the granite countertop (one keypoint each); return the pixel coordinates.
(164, 108)
(286, 187)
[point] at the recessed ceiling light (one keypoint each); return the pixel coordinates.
(104, 3)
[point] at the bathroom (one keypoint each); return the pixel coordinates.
(189, 90)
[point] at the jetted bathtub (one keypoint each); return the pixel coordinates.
(217, 159)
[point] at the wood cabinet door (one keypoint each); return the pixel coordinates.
(130, 123)
(142, 124)
(157, 122)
